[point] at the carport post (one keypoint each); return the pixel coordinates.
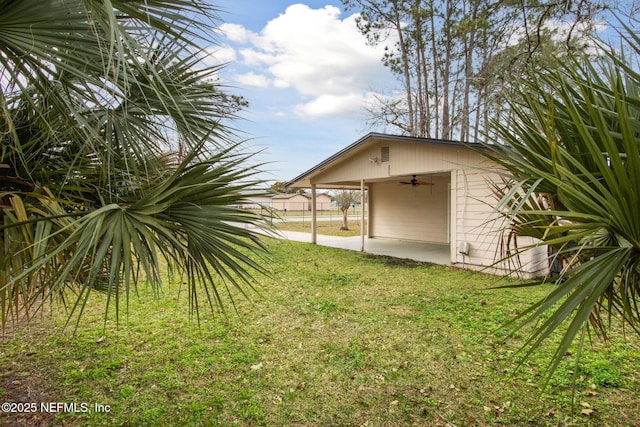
(362, 215)
(314, 238)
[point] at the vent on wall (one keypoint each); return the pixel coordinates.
(384, 154)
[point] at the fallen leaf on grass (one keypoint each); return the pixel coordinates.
(587, 412)
(256, 367)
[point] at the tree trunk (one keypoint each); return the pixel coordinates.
(468, 72)
(445, 70)
(345, 218)
(406, 67)
(434, 55)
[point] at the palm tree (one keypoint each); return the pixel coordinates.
(96, 95)
(572, 152)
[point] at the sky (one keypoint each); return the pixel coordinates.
(307, 74)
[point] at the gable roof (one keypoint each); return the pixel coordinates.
(369, 138)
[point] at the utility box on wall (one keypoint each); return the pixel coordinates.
(464, 248)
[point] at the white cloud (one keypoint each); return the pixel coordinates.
(560, 31)
(253, 79)
(252, 57)
(235, 33)
(315, 52)
(220, 55)
(326, 105)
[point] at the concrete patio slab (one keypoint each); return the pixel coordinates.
(417, 251)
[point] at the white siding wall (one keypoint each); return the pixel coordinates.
(478, 224)
(475, 218)
(406, 212)
(404, 159)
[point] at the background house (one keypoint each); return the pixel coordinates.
(323, 202)
(291, 202)
(257, 202)
(300, 202)
(424, 190)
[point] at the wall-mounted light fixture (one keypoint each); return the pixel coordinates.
(373, 159)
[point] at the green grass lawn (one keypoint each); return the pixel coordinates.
(330, 228)
(335, 338)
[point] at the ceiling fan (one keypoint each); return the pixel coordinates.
(414, 181)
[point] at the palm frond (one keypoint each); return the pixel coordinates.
(95, 97)
(574, 144)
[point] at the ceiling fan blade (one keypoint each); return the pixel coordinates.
(414, 181)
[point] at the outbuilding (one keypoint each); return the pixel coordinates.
(424, 190)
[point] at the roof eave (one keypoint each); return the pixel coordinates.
(304, 179)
